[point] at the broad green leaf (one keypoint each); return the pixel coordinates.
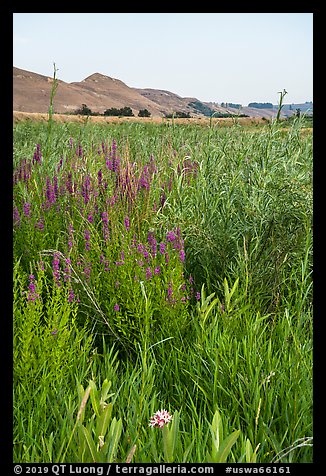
(217, 431)
(170, 435)
(251, 455)
(249, 452)
(102, 422)
(113, 439)
(234, 287)
(105, 389)
(226, 293)
(186, 453)
(226, 446)
(94, 398)
(210, 307)
(90, 444)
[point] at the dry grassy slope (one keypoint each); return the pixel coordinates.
(170, 101)
(173, 102)
(31, 93)
(111, 92)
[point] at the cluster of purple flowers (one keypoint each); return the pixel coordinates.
(114, 191)
(67, 270)
(86, 189)
(60, 165)
(56, 268)
(23, 172)
(122, 259)
(127, 223)
(16, 216)
(106, 263)
(79, 150)
(51, 192)
(189, 168)
(105, 226)
(37, 157)
(127, 180)
(113, 163)
(87, 240)
(27, 209)
(71, 296)
(152, 243)
(87, 271)
(32, 294)
(39, 224)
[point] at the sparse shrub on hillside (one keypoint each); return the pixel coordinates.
(84, 110)
(261, 105)
(144, 113)
(201, 108)
(124, 111)
(178, 115)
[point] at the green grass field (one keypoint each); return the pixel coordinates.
(162, 266)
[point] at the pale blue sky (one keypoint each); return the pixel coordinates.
(229, 57)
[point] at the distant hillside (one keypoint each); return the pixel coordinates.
(173, 102)
(269, 112)
(290, 109)
(31, 93)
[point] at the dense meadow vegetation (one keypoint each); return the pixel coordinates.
(162, 267)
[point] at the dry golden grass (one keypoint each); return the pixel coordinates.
(19, 116)
(248, 122)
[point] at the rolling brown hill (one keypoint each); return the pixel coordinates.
(31, 93)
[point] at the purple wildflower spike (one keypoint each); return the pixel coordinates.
(32, 294)
(16, 216)
(171, 236)
(27, 209)
(87, 240)
(37, 157)
(148, 273)
(99, 178)
(105, 226)
(152, 242)
(71, 296)
(127, 223)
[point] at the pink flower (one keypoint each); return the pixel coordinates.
(160, 418)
